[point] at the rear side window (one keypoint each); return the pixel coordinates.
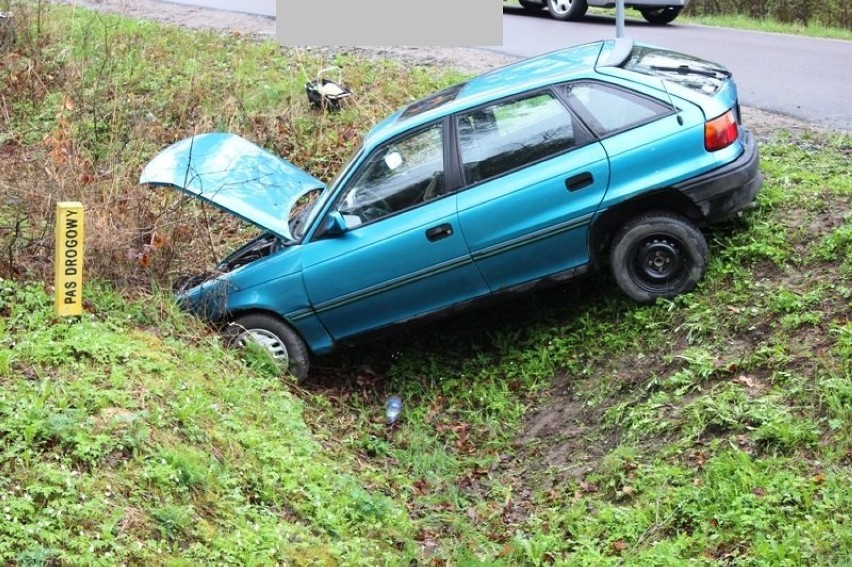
(609, 109)
(502, 137)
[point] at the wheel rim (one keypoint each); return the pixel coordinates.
(659, 263)
(269, 342)
(561, 6)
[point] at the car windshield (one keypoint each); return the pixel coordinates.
(304, 212)
(698, 74)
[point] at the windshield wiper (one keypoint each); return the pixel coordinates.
(686, 69)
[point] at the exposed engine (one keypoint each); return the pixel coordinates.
(260, 247)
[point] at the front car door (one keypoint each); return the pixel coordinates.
(534, 178)
(402, 255)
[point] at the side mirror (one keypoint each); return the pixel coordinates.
(335, 225)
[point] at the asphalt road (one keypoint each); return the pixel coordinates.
(259, 7)
(806, 78)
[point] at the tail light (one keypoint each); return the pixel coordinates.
(720, 132)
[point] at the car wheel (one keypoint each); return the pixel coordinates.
(658, 255)
(565, 10)
(660, 16)
(283, 344)
(531, 6)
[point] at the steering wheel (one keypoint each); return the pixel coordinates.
(375, 210)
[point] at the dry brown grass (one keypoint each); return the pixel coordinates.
(87, 99)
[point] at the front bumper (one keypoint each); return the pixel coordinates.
(725, 191)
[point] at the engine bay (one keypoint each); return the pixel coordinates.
(259, 248)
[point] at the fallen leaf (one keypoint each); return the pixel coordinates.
(349, 134)
(158, 240)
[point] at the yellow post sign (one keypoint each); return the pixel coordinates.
(69, 258)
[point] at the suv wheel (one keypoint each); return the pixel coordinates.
(660, 16)
(566, 10)
(658, 254)
(283, 344)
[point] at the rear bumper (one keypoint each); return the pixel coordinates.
(727, 190)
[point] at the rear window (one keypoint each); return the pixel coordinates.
(698, 74)
(432, 101)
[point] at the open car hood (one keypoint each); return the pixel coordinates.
(235, 175)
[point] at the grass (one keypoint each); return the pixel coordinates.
(99, 95)
(121, 444)
(739, 21)
(567, 427)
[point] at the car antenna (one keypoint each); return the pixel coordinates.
(671, 102)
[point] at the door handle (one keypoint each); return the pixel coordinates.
(579, 181)
(438, 232)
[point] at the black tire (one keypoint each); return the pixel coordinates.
(567, 10)
(531, 6)
(282, 343)
(658, 254)
(660, 16)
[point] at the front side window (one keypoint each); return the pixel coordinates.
(608, 110)
(505, 136)
(398, 176)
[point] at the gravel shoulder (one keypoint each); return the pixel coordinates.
(468, 60)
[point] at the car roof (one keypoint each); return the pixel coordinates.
(559, 65)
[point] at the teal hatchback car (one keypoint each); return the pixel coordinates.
(610, 154)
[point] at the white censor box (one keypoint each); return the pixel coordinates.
(69, 259)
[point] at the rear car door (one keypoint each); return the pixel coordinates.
(402, 255)
(534, 178)
(650, 143)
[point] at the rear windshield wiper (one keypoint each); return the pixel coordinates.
(686, 69)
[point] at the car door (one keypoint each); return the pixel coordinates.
(401, 254)
(650, 143)
(534, 178)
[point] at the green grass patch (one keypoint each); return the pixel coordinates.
(771, 25)
(123, 445)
